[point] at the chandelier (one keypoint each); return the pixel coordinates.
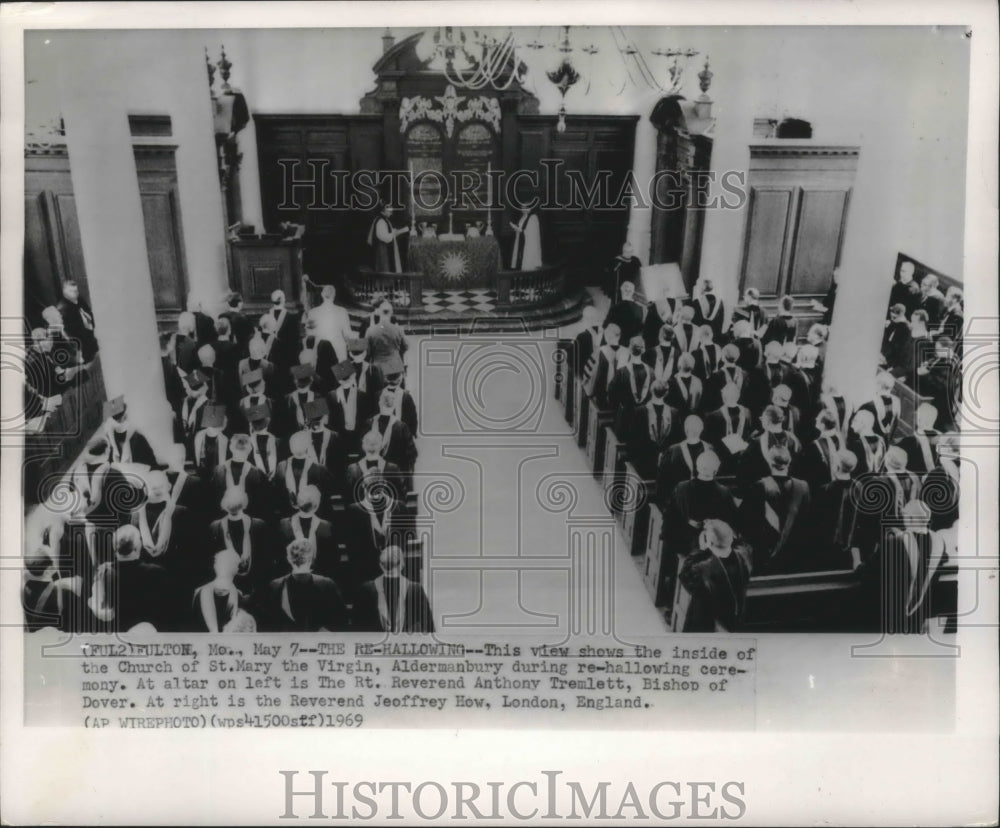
(476, 59)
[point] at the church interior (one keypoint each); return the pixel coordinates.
(274, 385)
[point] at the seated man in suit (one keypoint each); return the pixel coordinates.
(626, 314)
(211, 446)
(397, 445)
(885, 407)
(602, 367)
(728, 427)
(677, 463)
(372, 464)
(125, 443)
(921, 446)
(952, 323)
(391, 602)
(753, 463)
(305, 524)
(904, 290)
(326, 447)
(775, 516)
(298, 471)
(630, 389)
(896, 339)
(249, 537)
(301, 601)
(715, 581)
(239, 472)
(266, 450)
(940, 378)
(817, 462)
(684, 390)
(588, 341)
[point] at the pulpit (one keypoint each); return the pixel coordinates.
(262, 264)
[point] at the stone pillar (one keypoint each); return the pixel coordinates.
(106, 190)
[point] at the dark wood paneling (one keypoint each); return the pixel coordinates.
(817, 242)
(767, 228)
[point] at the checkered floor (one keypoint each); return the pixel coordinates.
(460, 301)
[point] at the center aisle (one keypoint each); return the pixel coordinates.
(520, 539)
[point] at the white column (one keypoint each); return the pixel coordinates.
(106, 190)
(250, 198)
(640, 218)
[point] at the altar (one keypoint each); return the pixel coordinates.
(455, 264)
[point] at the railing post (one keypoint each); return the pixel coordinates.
(503, 287)
(416, 291)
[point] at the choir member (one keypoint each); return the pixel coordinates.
(753, 464)
(807, 364)
(346, 408)
(694, 502)
(816, 464)
(332, 323)
(753, 313)
(920, 347)
(630, 388)
(603, 365)
(218, 606)
(306, 524)
(326, 447)
(102, 486)
(783, 328)
(626, 314)
(751, 352)
(707, 354)
(172, 383)
(125, 443)
(931, 300)
(304, 392)
(238, 472)
(763, 380)
(663, 358)
(921, 445)
(265, 448)
(835, 518)
(301, 601)
(939, 378)
(78, 320)
(249, 537)
(186, 343)
(795, 378)
(318, 353)
(186, 487)
(241, 325)
(391, 602)
(213, 376)
(285, 349)
(728, 373)
(709, 308)
(684, 329)
(728, 427)
(133, 590)
(298, 471)
(905, 291)
(371, 464)
(775, 516)
(372, 523)
(781, 398)
(867, 446)
(403, 405)
(587, 341)
(255, 394)
(397, 445)
(369, 377)
(164, 530)
(677, 463)
(211, 445)
(940, 486)
(684, 389)
(227, 360)
(715, 582)
(832, 400)
(659, 313)
(257, 361)
(885, 407)
(527, 251)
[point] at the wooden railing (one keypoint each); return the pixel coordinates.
(49, 453)
(531, 287)
(404, 290)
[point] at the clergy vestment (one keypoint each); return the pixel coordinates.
(627, 315)
(885, 410)
(658, 313)
(382, 240)
(78, 323)
(709, 310)
(775, 517)
(921, 450)
(320, 532)
(628, 395)
(293, 475)
(368, 531)
(817, 462)
(253, 541)
(333, 325)
(691, 504)
(357, 473)
(527, 252)
(677, 464)
(715, 590)
(393, 604)
(301, 602)
(586, 343)
(622, 269)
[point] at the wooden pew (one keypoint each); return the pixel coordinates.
(613, 472)
(564, 378)
(581, 411)
(597, 422)
(635, 521)
(653, 554)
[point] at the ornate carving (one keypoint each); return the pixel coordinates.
(419, 108)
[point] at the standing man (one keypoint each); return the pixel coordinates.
(382, 238)
(624, 267)
(78, 320)
(333, 323)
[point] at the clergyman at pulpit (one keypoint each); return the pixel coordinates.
(382, 236)
(527, 253)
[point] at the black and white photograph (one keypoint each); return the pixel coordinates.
(530, 370)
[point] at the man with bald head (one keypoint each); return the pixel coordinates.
(677, 463)
(164, 528)
(693, 502)
(626, 314)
